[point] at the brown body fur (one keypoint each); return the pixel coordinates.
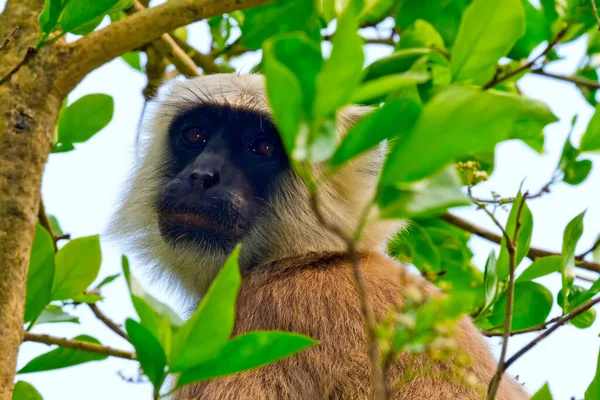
(295, 277)
(316, 295)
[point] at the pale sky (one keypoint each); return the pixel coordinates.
(81, 189)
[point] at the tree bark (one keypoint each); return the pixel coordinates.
(30, 100)
(28, 111)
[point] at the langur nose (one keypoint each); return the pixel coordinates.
(204, 179)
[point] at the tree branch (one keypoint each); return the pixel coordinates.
(561, 321)
(108, 322)
(28, 56)
(533, 253)
(169, 49)
(99, 47)
(588, 83)
(204, 61)
(78, 345)
(500, 78)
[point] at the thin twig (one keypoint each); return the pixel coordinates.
(536, 328)
(45, 222)
(591, 249)
(7, 40)
(169, 49)
(512, 246)
(561, 321)
(204, 61)
(389, 41)
(501, 201)
(380, 386)
(28, 55)
(533, 254)
(500, 78)
(78, 345)
(108, 322)
(588, 83)
(595, 12)
(496, 222)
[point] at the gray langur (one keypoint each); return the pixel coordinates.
(214, 174)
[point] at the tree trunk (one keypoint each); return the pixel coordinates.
(29, 106)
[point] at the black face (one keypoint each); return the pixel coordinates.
(221, 165)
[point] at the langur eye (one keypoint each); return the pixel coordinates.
(262, 147)
(194, 135)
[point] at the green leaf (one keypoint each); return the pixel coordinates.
(342, 71)
(88, 298)
(414, 246)
(571, 236)
(523, 240)
(40, 274)
(487, 33)
(209, 328)
(375, 10)
(84, 118)
(392, 120)
(107, 280)
(133, 59)
(291, 65)
(538, 29)
(430, 196)
(149, 352)
(52, 314)
(541, 267)
(145, 304)
(593, 390)
(261, 23)
(55, 225)
(77, 265)
(543, 393)
(585, 319)
(421, 34)
(490, 281)
(574, 171)
(374, 89)
(50, 14)
(247, 351)
(397, 62)
(452, 126)
(62, 358)
(25, 391)
(220, 30)
(79, 12)
(591, 138)
(435, 315)
(444, 16)
(532, 304)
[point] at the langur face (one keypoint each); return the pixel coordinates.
(220, 167)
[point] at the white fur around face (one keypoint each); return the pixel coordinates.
(287, 226)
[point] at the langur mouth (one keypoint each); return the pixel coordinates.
(192, 220)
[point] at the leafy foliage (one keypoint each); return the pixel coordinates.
(446, 96)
